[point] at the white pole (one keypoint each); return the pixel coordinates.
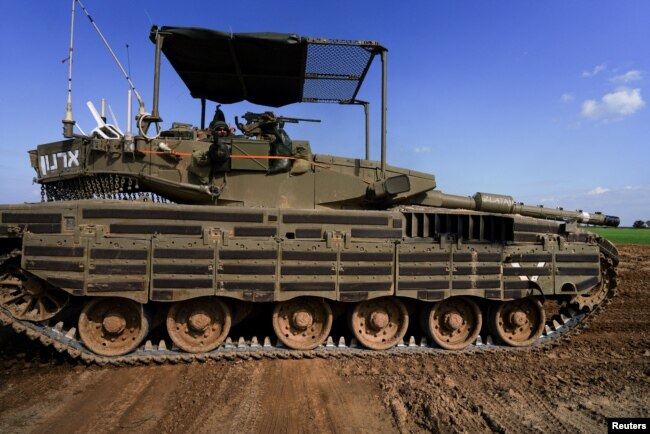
(128, 137)
(68, 121)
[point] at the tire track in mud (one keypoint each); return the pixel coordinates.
(541, 415)
(205, 397)
(424, 398)
(343, 405)
(274, 396)
(285, 400)
(508, 407)
(109, 401)
(151, 405)
(247, 412)
(28, 399)
(308, 396)
(232, 405)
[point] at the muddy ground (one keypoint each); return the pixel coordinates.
(574, 386)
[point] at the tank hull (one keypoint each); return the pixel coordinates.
(165, 252)
(130, 264)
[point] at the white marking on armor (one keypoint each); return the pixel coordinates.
(50, 162)
(64, 156)
(53, 165)
(43, 165)
(534, 278)
(73, 158)
(531, 278)
(516, 265)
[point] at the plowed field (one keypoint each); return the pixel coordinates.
(604, 371)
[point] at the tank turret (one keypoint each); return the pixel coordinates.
(262, 166)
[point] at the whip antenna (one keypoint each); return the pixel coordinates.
(128, 59)
(137, 95)
(68, 121)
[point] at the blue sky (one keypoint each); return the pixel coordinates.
(545, 101)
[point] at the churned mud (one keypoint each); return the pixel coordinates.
(574, 385)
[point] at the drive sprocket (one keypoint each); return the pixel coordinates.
(606, 288)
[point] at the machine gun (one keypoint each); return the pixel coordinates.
(266, 125)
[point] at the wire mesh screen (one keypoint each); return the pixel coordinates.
(334, 70)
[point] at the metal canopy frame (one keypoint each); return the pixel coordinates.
(270, 69)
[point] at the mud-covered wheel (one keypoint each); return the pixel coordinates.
(596, 295)
(518, 323)
(199, 324)
(29, 298)
(454, 323)
(302, 323)
(380, 323)
(112, 326)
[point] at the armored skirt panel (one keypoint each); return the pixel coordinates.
(161, 252)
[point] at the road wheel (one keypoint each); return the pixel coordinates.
(199, 324)
(380, 323)
(454, 323)
(519, 323)
(302, 323)
(112, 326)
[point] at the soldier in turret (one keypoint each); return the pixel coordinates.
(219, 151)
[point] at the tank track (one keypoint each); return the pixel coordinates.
(569, 321)
(557, 329)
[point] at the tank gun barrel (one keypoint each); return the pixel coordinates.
(496, 203)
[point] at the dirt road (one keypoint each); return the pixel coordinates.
(573, 386)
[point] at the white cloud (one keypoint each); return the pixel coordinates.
(422, 149)
(598, 190)
(632, 75)
(597, 69)
(548, 199)
(614, 105)
(567, 98)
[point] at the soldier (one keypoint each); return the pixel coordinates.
(219, 151)
(218, 127)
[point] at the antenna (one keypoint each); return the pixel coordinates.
(137, 95)
(128, 59)
(68, 121)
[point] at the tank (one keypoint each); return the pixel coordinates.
(198, 242)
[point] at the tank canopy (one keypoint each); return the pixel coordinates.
(271, 69)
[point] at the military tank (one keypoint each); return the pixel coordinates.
(182, 235)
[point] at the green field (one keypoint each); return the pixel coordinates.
(623, 235)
